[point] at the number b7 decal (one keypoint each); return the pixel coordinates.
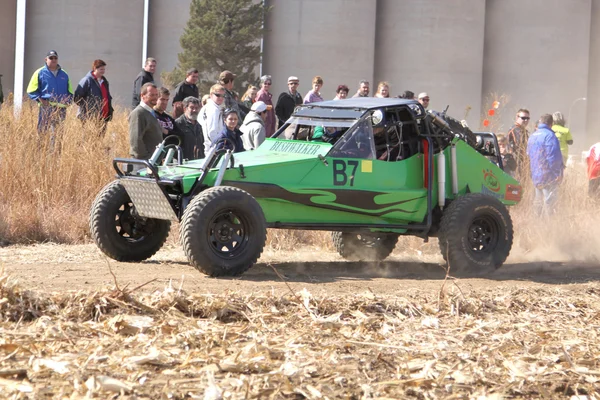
(344, 172)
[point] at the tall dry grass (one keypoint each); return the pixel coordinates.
(46, 188)
(46, 192)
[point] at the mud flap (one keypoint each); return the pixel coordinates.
(149, 198)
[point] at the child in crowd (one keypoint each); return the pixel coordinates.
(508, 161)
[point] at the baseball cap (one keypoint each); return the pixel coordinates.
(422, 95)
(259, 107)
(52, 53)
(293, 79)
(226, 75)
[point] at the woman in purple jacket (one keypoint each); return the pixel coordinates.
(265, 96)
(314, 94)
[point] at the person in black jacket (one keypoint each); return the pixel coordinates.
(190, 131)
(93, 96)
(147, 75)
(287, 101)
(167, 123)
(185, 89)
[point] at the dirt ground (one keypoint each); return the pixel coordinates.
(50, 267)
(396, 329)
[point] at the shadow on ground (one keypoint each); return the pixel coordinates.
(332, 271)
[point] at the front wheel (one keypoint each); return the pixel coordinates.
(476, 233)
(119, 231)
(223, 231)
(364, 246)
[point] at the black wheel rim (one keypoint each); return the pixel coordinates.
(129, 226)
(228, 234)
(483, 235)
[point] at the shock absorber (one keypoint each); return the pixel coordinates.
(441, 172)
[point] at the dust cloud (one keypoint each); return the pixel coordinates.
(572, 233)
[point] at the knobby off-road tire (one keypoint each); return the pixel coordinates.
(119, 232)
(223, 231)
(476, 233)
(364, 247)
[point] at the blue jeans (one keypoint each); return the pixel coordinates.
(545, 199)
(49, 117)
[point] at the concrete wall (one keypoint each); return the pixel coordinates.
(593, 88)
(167, 20)
(7, 44)
(537, 52)
(82, 31)
(433, 46)
(334, 39)
(543, 54)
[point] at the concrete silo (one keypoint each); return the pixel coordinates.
(167, 20)
(82, 31)
(593, 88)
(433, 46)
(334, 39)
(7, 44)
(537, 53)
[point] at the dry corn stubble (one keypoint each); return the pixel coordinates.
(535, 343)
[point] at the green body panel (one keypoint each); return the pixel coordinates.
(293, 213)
(295, 182)
(307, 189)
(476, 174)
(269, 158)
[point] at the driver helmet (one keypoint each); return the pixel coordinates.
(378, 118)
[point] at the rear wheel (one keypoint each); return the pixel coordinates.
(364, 246)
(119, 232)
(223, 231)
(476, 233)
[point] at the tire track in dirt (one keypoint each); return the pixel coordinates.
(82, 267)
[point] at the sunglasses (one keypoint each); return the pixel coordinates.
(218, 94)
(524, 118)
(267, 83)
(53, 58)
(425, 99)
(293, 83)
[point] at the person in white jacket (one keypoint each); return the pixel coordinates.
(253, 128)
(211, 116)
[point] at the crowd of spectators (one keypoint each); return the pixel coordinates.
(222, 119)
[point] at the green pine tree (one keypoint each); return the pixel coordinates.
(221, 35)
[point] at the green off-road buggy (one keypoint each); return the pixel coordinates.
(366, 169)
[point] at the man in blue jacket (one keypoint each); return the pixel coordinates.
(546, 162)
(51, 88)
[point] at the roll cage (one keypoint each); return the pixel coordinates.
(350, 126)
